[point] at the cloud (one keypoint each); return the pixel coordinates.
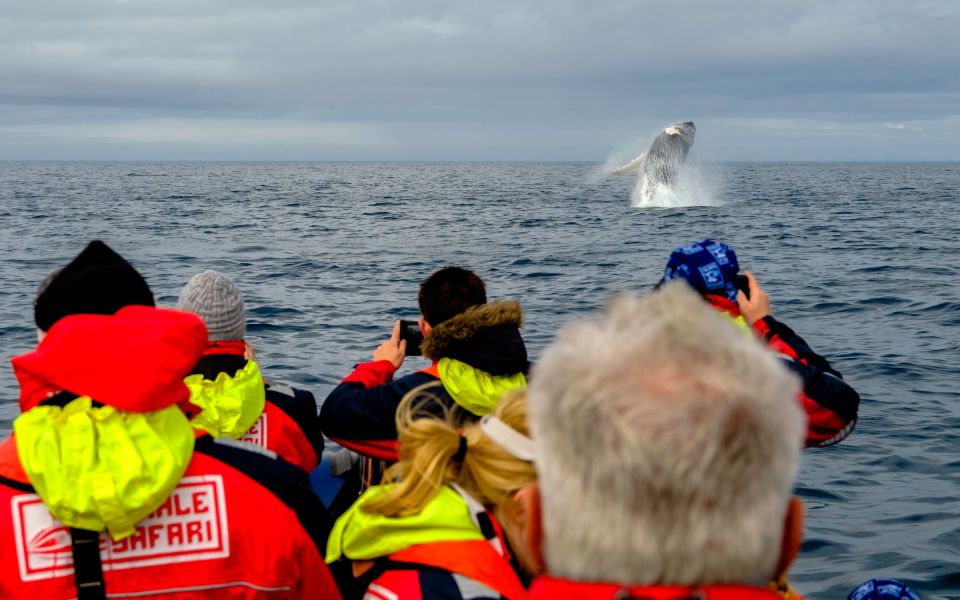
(387, 80)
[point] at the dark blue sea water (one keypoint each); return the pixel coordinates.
(861, 259)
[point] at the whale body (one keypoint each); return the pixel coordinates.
(661, 163)
(659, 167)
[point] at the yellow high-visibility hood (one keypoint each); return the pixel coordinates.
(231, 405)
(99, 468)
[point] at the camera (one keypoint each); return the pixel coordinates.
(743, 284)
(410, 331)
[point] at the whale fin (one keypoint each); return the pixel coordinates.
(632, 167)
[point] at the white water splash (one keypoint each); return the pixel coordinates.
(692, 189)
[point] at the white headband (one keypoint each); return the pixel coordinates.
(508, 438)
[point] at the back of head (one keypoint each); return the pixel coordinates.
(429, 444)
(449, 292)
(883, 589)
(218, 301)
(667, 445)
(707, 266)
(98, 281)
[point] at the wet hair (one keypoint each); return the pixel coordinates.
(449, 292)
(432, 455)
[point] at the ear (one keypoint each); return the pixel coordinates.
(792, 536)
(424, 326)
(529, 500)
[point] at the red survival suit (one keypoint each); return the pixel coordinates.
(287, 423)
(830, 403)
(236, 524)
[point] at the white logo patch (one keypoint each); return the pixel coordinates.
(258, 432)
(190, 526)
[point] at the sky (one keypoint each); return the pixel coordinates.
(577, 80)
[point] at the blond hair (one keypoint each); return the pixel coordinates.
(428, 444)
(667, 446)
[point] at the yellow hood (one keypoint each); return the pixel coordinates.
(102, 468)
(473, 389)
(231, 405)
(359, 535)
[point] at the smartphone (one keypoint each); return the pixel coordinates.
(743, 284)
(410, 331)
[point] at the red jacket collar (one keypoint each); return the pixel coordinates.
(134, 360)
(724, 304)
(561, 589)
(231, 347)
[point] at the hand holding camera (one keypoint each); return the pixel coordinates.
(753, 302)
(410, 333)
(392, 350)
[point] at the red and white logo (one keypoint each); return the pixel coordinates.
(258, 433)
(190, 526)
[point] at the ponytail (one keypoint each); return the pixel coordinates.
(434, 451)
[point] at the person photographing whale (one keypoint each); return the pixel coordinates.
(712, 269)
(476, 353)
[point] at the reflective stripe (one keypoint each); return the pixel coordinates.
(203, 588)
(471, 589)
(381, 592)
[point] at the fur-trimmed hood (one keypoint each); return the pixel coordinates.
(486, 336)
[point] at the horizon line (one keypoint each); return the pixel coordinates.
(463, 161)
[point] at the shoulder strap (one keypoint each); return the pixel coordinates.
(87, 569)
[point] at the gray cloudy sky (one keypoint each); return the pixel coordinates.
(478, 80)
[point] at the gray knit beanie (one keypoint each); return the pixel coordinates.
(218, 301)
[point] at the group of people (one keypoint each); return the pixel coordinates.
(650, 451)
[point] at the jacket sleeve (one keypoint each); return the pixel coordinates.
(830, 403)
(364, 405)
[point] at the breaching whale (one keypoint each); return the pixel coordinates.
(660, 164)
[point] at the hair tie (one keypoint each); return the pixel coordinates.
(461, 450)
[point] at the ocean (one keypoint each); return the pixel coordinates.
(860, 259)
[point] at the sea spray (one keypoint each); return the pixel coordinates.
(692, 189)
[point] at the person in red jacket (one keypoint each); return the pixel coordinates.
(477, 354)
(668, 482)
(711, 268)
(229, 395)
(106, 488)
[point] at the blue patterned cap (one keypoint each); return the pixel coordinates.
(709, 266)
(883, 589)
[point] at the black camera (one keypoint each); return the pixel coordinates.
(410, 331)
(743, 284)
